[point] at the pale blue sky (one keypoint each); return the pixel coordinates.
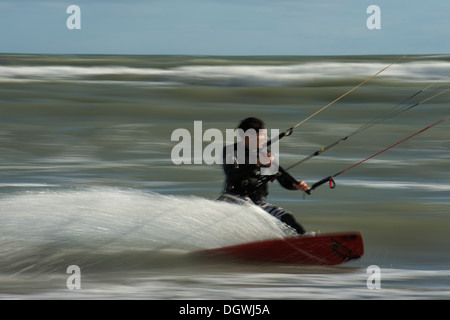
(225, 27)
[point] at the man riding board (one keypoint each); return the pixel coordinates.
(244, 182)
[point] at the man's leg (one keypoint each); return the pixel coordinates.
(284, 216)
(235, 199)
(289, 219)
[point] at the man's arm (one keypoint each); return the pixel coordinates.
(289, 182)
(234, 171)
(236, 174)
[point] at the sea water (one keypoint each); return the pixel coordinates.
(87, 177)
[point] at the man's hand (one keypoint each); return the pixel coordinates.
(301, 186)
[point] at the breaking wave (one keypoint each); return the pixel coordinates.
(239, 74)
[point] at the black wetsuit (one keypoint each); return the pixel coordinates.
(246, 181)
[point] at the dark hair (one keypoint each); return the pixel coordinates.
(252, 123)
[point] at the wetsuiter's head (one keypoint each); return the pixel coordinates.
(248, 125)
(252, 123)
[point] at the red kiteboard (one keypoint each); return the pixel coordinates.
(323, 249)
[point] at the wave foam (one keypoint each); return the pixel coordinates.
(396, 185)
(242, 75)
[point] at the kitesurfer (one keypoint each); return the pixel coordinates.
(244, 182)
